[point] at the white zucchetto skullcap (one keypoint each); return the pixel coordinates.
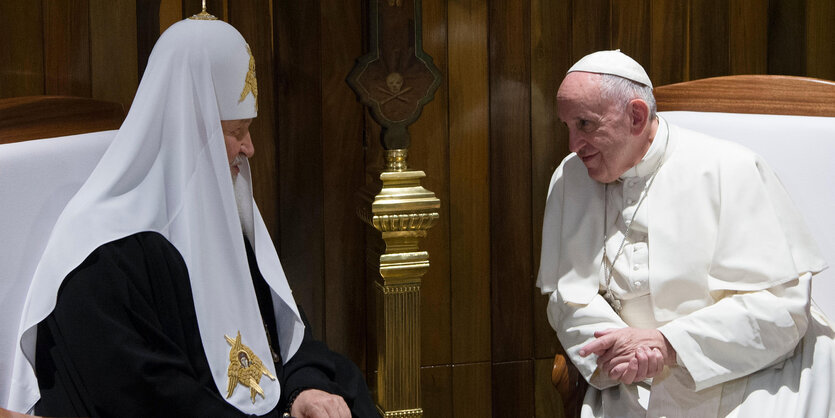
(614, 63)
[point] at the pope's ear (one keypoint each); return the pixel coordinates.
(639, 114)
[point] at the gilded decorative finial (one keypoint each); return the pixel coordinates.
(203, 15)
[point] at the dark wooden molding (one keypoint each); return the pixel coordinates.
(34, 117)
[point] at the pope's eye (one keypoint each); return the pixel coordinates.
(585, 125)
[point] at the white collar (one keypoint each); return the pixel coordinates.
(649, 162)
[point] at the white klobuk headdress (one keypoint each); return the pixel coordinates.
(167, 171)
(612, 62)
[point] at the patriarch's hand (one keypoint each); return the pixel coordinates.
(314, 403)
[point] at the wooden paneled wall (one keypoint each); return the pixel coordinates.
(488, 143)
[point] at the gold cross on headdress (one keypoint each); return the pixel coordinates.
(204, 15)
(250, 83)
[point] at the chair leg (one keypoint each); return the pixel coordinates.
(570, 385)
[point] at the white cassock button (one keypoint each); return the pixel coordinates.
(637, 284)
(636, 267)
(630, 201)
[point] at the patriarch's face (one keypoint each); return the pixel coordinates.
(238, 142)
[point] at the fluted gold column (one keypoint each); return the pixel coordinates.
(402, 211)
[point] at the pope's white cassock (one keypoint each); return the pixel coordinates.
(717, 258)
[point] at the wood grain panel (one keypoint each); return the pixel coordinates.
(510, 180)
(630, 20)
(709, 45)
(252, 19)
(748, 33)
(148, 30)
(35, 117)
(170, 12)
(783, 95)
(469, 174)
(21, 48)
(67, 48)
(436, 387)
(429, 152)
(298, 44)
(590, 27)
(550, 59)
(113, 45)
(545, 338)
(373, 166)
(513, 389)
(786, 39)
(471, 390)
(670, 26)
(546, 397)
(343, 161)
(820, 33)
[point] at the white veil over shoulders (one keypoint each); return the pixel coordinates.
(167, 171)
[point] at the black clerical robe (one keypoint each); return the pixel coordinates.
(123, 341)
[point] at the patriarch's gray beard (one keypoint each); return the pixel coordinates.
(243, 200)
(237, 162)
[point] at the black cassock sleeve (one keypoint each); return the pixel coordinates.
(313, 366)
(123, 341)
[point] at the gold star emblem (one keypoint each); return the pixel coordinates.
(250, 83)
(244, 368)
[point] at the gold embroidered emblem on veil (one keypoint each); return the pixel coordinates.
(250, 83)
(245, 368)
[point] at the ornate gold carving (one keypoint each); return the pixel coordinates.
(399, 290)
(250, 83)
(405, 222)
(405, 413)
(398, 354)
(402, 211)
(396, 159)
(244, 368)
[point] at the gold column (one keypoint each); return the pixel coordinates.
(402, 211)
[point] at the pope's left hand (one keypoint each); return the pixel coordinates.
(630, 354)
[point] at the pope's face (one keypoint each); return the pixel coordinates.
(238, 142)
(598, 129)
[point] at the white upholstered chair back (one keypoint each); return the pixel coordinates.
(37, 179)
(801, 150)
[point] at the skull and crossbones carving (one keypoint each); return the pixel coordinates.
(394, 82)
